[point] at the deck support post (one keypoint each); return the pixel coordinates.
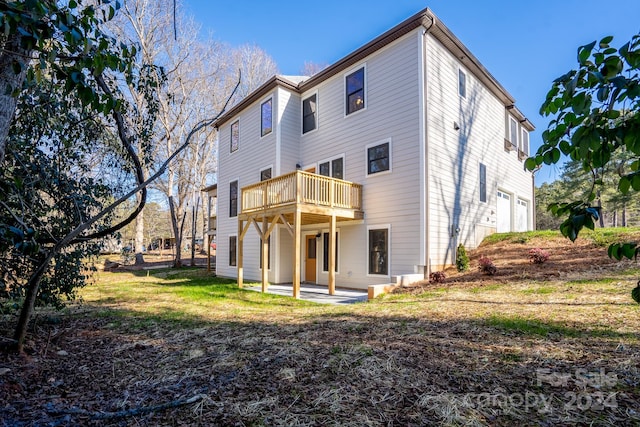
(239, 254)
(265, 255)
(297, 219)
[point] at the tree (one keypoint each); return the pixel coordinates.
(596, 109)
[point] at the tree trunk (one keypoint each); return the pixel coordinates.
(139, 239)
(194, 218)
(11, 55)
(624, 215)
(33, 286)
(177, 262)
(600, 211)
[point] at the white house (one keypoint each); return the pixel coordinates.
(373, 169)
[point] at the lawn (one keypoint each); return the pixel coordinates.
(550, 344)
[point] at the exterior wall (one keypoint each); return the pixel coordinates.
(254, 154)
(390, 198)
(455, 154)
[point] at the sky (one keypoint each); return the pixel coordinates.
(524, 44)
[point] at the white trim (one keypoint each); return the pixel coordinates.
(380, 227)
(270, 97)
(309, 95)
(344, 89)
(422, 120)
(366, 158)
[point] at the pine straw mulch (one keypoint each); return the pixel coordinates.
(401, 361)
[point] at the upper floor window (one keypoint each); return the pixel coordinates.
(333, 168)
(265, 174)
(378, 158)
(462, 83)
(483, 183)
(309, 114)
(513, 131)
(235, 135)
(233, 199)
(524, 144)
(355, 91)
(266, 117)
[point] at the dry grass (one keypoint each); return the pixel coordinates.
(525, 347)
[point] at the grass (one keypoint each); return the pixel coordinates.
(402, 359)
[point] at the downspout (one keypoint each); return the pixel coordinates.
(424, 151)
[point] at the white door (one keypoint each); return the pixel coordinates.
(522, 215)
(504, 213)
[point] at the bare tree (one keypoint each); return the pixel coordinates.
(311, 68)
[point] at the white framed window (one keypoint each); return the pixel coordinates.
(325, 251)
(462, 83)
(235, 136)
(233, 250)
(265, 174)
(378, 245)
(266, 117)
(233, 198)
(513, 131)
(524, 142)
(483, 182)
(355, 90)
(378, 157)
(310, 113)
(333, 167)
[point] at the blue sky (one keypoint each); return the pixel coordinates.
(524, 44)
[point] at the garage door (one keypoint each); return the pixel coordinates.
(503, 212)
(522, 215)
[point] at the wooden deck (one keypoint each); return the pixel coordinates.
(295, 199)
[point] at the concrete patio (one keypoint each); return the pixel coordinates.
(316, 293)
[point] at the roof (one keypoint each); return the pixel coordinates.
(426, 19)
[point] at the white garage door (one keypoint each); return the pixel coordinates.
(504, 213)
(522, 215)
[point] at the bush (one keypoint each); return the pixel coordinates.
(538, 256)
(437, 277)
(462, 259)
(487, 266)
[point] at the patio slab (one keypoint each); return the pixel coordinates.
(316, 293)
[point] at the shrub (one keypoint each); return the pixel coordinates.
(462, 259)
(538, 256)
(437, 277)
(487, 266)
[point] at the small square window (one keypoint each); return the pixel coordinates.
(355, 91)
(483, 183)
(235, 135)
(266, 117)
(378, 159)
(462, 83)
(265, 174)
(309, 114)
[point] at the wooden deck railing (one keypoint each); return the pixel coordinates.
(301, 187)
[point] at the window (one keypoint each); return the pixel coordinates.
(266, 117)
(233, 199)
(325, 246)
(265, 174)
(333, 168)
(355, 91)
(513, 131)
(378, 158)
(309, 114)
(462, 83)
(235, 135)
(379, 251)
(483, 183)
(232, 250)
(268, 253)
(525, 142)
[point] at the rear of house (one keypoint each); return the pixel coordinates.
(403, 149)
